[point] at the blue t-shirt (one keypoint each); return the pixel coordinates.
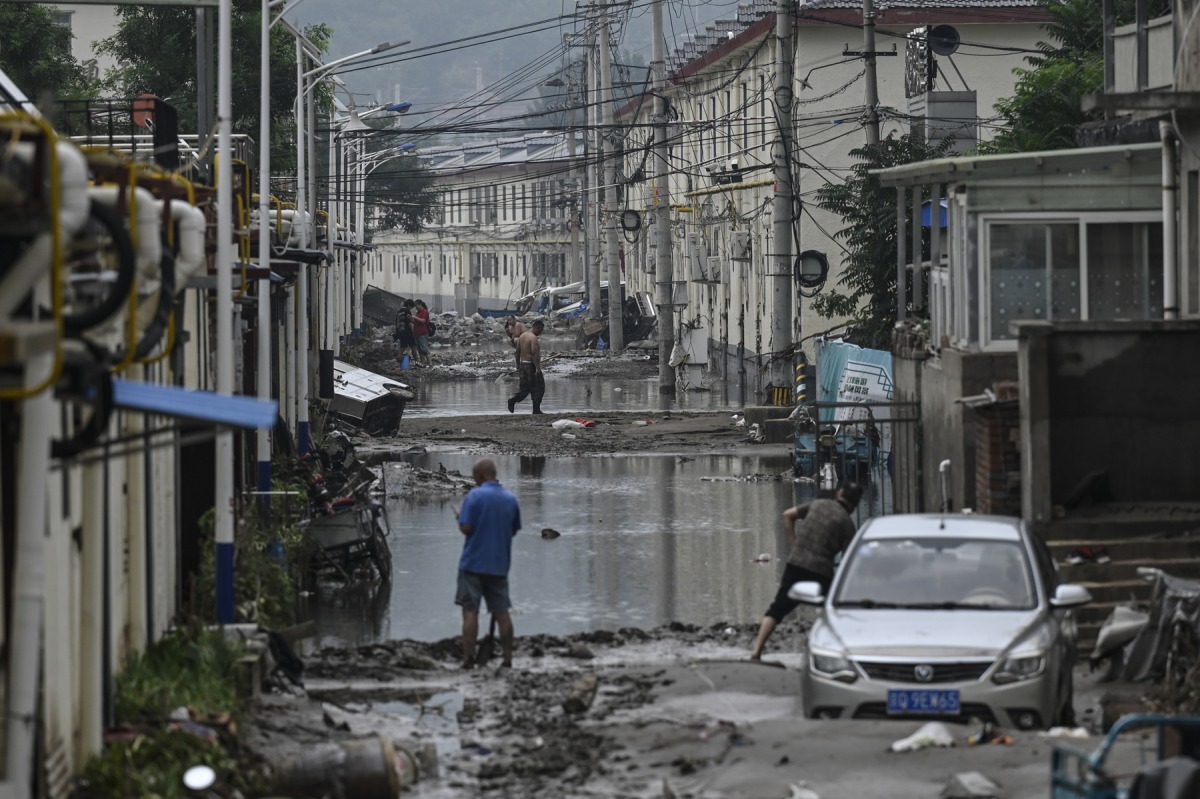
(494, 516)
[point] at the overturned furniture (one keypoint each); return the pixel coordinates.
(366, 400)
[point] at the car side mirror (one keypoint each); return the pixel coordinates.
(1069, 595)
(808, 593)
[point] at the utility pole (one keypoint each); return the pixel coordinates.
(782, 210)
(616, 297)
(869, 65)
(664, 268)
(593, 231)
(575, 269)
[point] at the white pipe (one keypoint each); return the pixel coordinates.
(91, 622)
(263, 340)
(29, 577)
(1170, 200)
(20, 278)
(145, 227)
(190, 224)
(223, 523)
(289, 332)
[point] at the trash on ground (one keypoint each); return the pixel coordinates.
(549, 533)
(569, 436)
(934, 733)
(581, 695)
(801, 791)
(643, 422)
(971, 785)
(763, 558)
(988, 734)
(562, 424)
(1064, 732)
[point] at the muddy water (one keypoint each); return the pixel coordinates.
(644, 541)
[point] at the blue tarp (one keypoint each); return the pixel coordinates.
(849, 373)
(205, 406)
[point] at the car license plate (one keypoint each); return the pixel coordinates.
(923, 701)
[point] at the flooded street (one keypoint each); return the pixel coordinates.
(645, 540)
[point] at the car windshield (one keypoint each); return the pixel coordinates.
(935, 573)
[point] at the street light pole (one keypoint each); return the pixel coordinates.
(223, 310)
(616, 298)
(263, 338)
(664, 268)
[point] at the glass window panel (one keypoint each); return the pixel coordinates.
(1033, 273)
(1125, 263)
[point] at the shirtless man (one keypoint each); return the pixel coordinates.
(529, 367)
(514, 329)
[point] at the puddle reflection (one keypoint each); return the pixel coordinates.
(645, 540)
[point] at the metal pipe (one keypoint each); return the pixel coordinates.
(664, 267)
(1170, 202)
(223, 505)
(263, 338)
(901, 272)
(28, 580)
(91, 624)
(304, 360)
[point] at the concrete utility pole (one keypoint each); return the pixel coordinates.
(593, 231)
(782, 209)
(616, 297)
(664, 268)
(872, 85)
(575, 270)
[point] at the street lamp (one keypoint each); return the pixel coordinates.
(379, 48)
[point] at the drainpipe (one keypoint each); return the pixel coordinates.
(91, 623)
(29, 577)
(1170, 198)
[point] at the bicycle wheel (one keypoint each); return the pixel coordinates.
(98, 271)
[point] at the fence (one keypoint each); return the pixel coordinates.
(876, 444)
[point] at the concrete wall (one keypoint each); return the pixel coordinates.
(949, 426)
(908, 469)
(1116, 398)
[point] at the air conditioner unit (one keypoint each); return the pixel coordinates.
(714, 269)
(739, 245)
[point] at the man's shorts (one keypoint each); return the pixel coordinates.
(473, 586)
(406, 339)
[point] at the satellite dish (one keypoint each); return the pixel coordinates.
(944, 40)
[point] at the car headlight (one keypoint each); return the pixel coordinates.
(832, 665)
(1020, 667)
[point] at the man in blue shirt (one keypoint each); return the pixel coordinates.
(489, 518)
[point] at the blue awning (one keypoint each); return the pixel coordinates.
(205, 406)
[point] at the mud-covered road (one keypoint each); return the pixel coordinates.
(678, 711)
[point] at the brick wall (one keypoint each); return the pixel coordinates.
(998, 458)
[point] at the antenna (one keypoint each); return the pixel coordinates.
(944, 40)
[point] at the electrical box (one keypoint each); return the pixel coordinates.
(739, 245)
(698, 257)
(714, 269)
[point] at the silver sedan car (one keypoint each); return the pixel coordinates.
(943, 616)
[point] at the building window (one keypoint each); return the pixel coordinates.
(1099, 267)
(63, 18)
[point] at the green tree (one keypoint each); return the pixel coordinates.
(35, 52)
(401, 191)
(867, 290)
(1044, 110)
(155, 51)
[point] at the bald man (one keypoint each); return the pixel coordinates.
(489, 518)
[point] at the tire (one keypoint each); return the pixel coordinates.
(104, 220)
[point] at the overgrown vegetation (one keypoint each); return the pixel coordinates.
(1045, 110)
(271, 556)
(193, 667)
(867, 290)
(35, 53)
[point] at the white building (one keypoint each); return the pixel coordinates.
(722, 133)
(502, 230)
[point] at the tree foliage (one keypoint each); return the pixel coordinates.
(1044, 110)
(401, 191)
(867, 290)
(35, 53)
(155, 51)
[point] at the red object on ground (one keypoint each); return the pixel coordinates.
(585, 422)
